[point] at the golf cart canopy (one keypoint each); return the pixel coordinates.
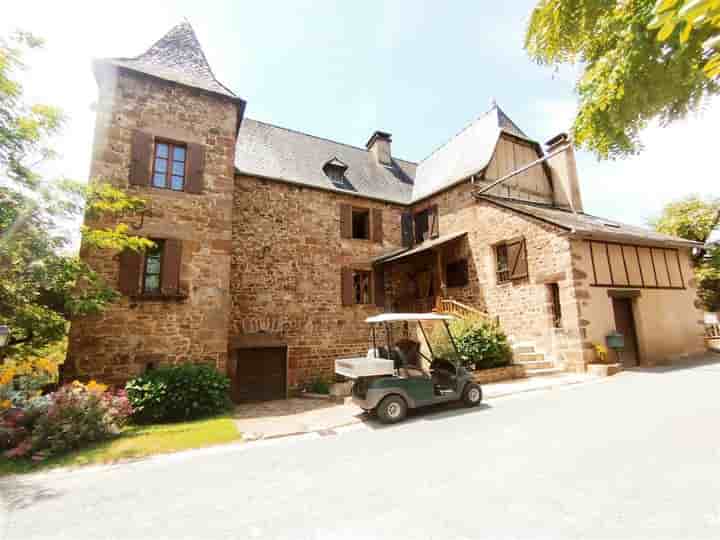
(395, 317)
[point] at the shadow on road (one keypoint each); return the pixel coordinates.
(430, 413)
(18, 494)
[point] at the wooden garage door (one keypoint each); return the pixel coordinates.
(260, 374)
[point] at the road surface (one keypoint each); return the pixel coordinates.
(633, 456)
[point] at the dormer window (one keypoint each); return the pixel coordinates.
(335, 170)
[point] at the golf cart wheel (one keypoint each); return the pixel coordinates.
(472, 395)
(392, 409)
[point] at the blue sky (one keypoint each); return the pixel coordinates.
(420, 70)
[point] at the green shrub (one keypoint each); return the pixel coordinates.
(175, 393)
(319, 385)
(482, 342)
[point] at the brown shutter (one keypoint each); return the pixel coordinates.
(517, 259)
(129, 277)
(379, 285)
(346, 286)
(195, 168)
(434, 225)
(141, 158)
(170, 271)
(345, 221)
(406, 226)
(377, 224)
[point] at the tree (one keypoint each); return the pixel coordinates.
(696, 219)
(641, 61)
(41, 285)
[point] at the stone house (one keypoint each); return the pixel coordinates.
(273, 246)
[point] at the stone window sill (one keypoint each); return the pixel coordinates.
(160, 297)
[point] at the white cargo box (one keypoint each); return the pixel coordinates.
(364, 366)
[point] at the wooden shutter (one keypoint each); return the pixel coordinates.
(345, 221)
(346, 286)
(377, 225)
(129, 276)
(434, 225)
(195, 168)
(379, 285)
(406, 226)
(170, 272)
(517, 259)
(141, 158)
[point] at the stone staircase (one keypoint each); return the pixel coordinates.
(535, 362)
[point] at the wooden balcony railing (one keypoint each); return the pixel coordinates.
(453, 307)
(712, 330)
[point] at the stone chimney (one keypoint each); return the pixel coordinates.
(566, 185)
(379, 146)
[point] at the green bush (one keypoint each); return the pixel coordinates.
(175, 393)
(482, 342)
(319, 385)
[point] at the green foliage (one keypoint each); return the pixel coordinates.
(696, 219)
(629, 76)
(180, 392)
(42, 286)
(482, 342)
(319, 385)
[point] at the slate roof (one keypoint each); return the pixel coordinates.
(269, 151)
(467, 153)
(176, 57)
(589, 226)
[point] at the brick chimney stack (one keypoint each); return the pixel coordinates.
(379, 146)
(566, 185)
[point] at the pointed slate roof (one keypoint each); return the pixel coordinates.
(177, 57)
(467, 153)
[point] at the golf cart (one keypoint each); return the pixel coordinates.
(405, 374)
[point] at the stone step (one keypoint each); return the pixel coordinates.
(529, 357)
(522, 347)
(535, 364)
(545, 372)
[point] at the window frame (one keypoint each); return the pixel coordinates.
(368, 230)
(160, 246)
(172, 145)
(555, 304)
(425, 215)
(502, 276)
(369, 273)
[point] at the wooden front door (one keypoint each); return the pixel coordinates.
(260, 374)
(625, 324)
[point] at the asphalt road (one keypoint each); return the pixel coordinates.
(634, 456)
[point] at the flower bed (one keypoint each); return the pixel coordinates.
(513, 371)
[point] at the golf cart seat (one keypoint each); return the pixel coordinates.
(411, 363)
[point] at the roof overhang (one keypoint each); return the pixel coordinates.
(425, 246)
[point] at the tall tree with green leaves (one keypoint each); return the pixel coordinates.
(41, 285)
(641, 60)
(697, 219)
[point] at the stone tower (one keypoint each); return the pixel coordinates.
(165, 131)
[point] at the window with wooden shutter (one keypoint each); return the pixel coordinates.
(195, 168)
(129, 275)
(377, 225)
(140, 158)
(346, 286)
(406, 226)
(346, 221)
(511, 260)
(171, 260)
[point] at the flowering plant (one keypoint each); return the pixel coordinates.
(74, 415)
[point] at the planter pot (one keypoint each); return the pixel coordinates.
(603, 370)
(485, 376)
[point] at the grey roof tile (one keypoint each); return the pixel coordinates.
(176, 57)
(590, 226)
(270, 151)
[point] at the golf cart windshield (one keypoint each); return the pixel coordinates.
(420, 339)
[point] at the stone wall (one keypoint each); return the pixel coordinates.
(286, 272)
(134, 332)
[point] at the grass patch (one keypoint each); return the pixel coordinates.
(136, 442)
